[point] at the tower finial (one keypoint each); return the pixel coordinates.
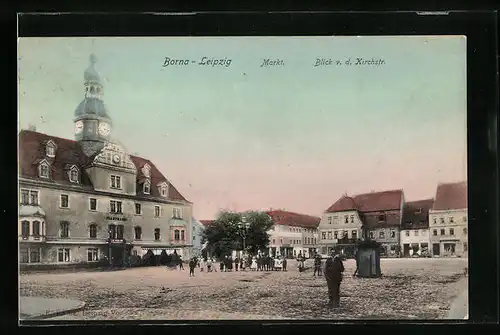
(93, 59)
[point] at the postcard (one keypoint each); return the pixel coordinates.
(263, 178)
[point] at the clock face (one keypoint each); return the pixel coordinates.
(116, 158)
(104, 129)
(78, 127)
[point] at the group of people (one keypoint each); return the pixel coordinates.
(227, 264)
(333, 270)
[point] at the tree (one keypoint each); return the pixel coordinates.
(225, 234)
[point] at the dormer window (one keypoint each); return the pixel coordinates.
(43, 170)
(163, 188)
(418, 211)
(146, 187)
(73, 174)
(50, 149)
(146, 170)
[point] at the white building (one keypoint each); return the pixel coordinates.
(414, 235)
(293, 234)
(448, 222)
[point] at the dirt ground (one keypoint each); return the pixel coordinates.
(408, 289)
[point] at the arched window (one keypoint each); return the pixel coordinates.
(176, 235)
(182, 235)
(73, 175)
(93, 230)
(36, 228)
(465, 231)
(91, 89)
(43, 228)
(25, 229)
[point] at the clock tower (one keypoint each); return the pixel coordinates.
(92, 124)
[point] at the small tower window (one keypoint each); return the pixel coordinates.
(97, 89)
(91, 89)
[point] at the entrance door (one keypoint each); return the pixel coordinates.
(406, 250)
(435, 249)
(117, 255)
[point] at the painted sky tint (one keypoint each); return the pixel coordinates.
(294, 137)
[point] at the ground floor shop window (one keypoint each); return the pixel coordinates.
(92, 254)
(24, 256)
(64, 255)
(449, 248)
(29, 255)
(34, 255)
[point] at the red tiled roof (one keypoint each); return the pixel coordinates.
(416, 214)
(345, 203)
(369, 202)
(286, 218)
(68, 153)
(451, 196)
(207, 222)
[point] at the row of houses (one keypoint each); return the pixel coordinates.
(433, 227)
(437, 226)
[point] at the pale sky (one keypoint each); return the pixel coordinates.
(248, 137)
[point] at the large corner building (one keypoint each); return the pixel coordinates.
(87, 199)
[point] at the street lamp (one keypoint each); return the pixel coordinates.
(109, 247)
(243, 229)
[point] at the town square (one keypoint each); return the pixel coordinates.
(419, 288)
(268, 194)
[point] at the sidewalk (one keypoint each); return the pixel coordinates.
(41, 308)
(459, 309)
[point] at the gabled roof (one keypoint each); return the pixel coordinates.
(369, 202)
(451, 196)
(68, 153)
(416, 214)
(286, 218)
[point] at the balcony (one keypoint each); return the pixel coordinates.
(31, 238)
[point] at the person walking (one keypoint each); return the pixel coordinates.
(317, 265)
(333, 274)
(192, 266)
(181, 266)
(236, 263)
(356, 256)
(284, 264)
(221, 265)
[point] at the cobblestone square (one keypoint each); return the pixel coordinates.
(408, 289)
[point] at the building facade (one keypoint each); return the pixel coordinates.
(414, 236)
(374, 215)
(341, 222)
(197, 229)
(292, 234)
(448, 223)
(88, 200)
